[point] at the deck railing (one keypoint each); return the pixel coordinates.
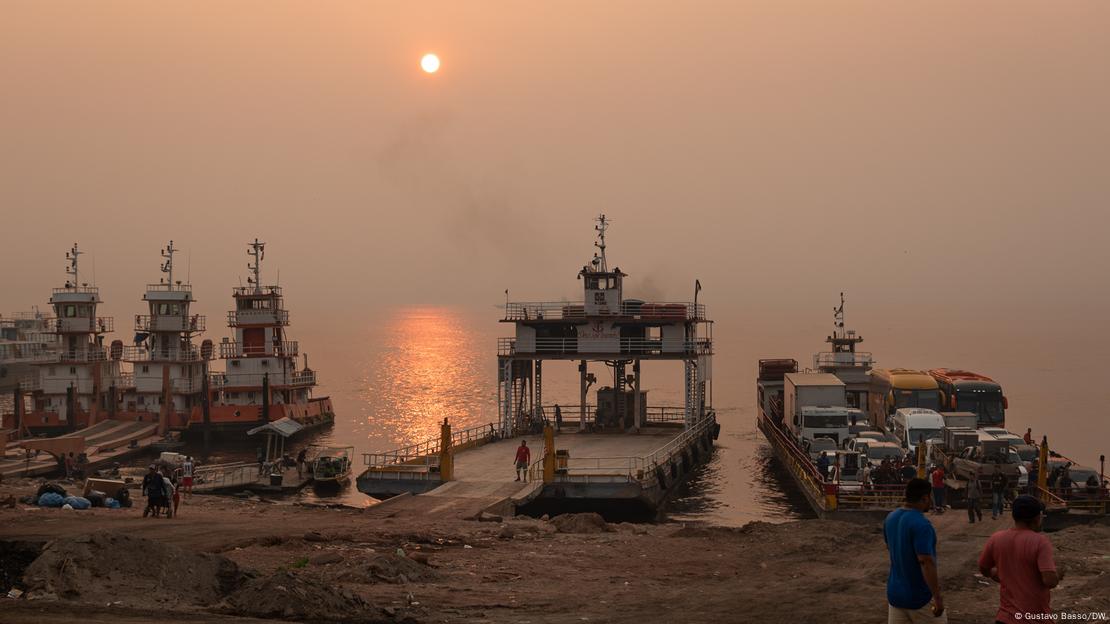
(664, 311)
(1092, 501)
(167, 322)
(304, 377)
(90, 354)
(623, 346)
(98, 324)
(142, 354)
(183, 288)
(831, 359)
(287, 348)
(426, 453)
(258, 317)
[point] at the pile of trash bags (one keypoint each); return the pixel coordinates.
(54, 495)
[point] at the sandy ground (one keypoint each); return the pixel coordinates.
(317, 564)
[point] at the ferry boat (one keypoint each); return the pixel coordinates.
(24, 337)
(619, 454)
(262, 381)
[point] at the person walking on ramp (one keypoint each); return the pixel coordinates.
(913, 581)
(1021, 560)
(523, 458)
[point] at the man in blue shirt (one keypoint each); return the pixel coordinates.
(912, 542)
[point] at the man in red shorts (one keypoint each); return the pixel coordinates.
(523, 458)
(1020, 559)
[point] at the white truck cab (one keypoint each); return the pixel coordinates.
(915, 425)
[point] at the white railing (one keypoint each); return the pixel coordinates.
(87, 290)
(90, 354)
(830, 358)
(288, 348)
(241, 291)
(664, 453)
(258, 317)
(99, 324)
(22, 351)
(426, 453)
(163, 322)
(125, 380)
(184, 288)
(143, 354)
(576, 310)
(571, 414)
(224, 380)
(622, 346)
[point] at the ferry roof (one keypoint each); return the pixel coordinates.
(814, 379)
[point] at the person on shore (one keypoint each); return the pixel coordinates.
(187, 475)
(998, 491)
(1066, 482)
(261, 458)
(1034, 475)
(909, 471)
(1028, 437)
(169, 493)
(1092, 487)
(937, 478)
(913, 581)
(523, 458)
(301, 456)
(823, 466)
(152, 488)
(558, 418)
(69, 465)
(974, 500)
(1021, 560)
(865, 477)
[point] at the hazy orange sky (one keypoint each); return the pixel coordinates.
(945, 160)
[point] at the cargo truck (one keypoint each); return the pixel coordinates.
(812, 390)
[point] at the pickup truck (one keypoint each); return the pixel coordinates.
(978, 461)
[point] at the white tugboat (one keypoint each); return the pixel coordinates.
(24, 337)
(167, 384)
(70, 389)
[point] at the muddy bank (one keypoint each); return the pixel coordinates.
(256, 561)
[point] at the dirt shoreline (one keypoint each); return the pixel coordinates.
(317, 564)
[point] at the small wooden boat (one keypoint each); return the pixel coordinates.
(331, 465)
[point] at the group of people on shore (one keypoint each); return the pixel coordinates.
(1020, 559)
(163, 487)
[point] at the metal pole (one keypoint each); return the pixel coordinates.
(582, 396)
(637, 402)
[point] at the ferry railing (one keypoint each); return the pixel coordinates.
(575, 310)
(143, 354)
(623, 346)
(854, 495)
(1082, 499)
(184, 288)
(241, 291)
(797, 461)
(654, 414)
(91, 354)
(258, 317)
(426, 453)
(98, 324)
(88, 290)
(676, 445)
(225, 476)
(286, 348)
(169, 322)
(219, 381)
(125, 380)
(831, 359)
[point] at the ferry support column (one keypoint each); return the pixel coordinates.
(637, 402)
(582, 396)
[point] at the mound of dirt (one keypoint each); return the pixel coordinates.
(295, 597)
(388, 568)
(581, 523)
(90, 567)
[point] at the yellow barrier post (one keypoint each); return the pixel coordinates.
(1042, 471)
(921, 460)
(548, 454)
(446, 453)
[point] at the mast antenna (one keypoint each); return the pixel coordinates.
(838, 317)
(258, 252)
(71, 255)
(167, 266)
(599, 260)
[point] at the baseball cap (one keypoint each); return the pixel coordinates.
(1026, 507)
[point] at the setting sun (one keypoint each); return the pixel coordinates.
(430, 63)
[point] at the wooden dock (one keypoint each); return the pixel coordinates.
(105, 442)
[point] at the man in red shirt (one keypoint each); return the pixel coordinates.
(523, 458)
(938, 489)
(1020, 559)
